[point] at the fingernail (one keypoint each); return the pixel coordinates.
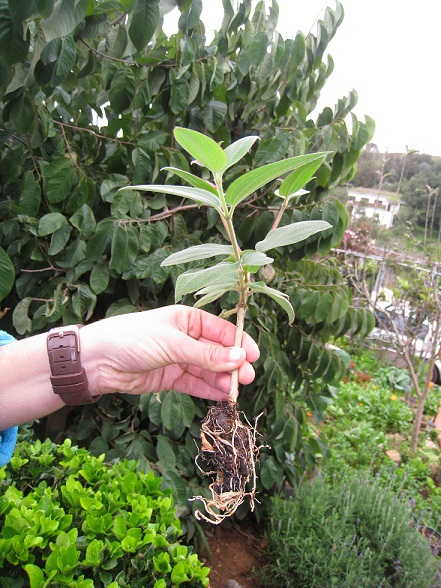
(236, 354)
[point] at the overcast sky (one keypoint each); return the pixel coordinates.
(389, 51)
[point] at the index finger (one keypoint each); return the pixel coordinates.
(205, 326)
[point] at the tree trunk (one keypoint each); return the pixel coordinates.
(417, 423)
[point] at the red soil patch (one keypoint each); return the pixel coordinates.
(235, 553)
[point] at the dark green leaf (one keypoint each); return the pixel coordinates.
(64, 18)
(214, 115)
(99, 277)
(67, 57)
(122, 89)
(50, 222)
(7, 274)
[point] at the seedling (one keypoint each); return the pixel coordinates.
(228, 445)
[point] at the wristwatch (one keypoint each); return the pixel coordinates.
(68, 378)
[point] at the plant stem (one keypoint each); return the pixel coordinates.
(280, 214)
(234, 386)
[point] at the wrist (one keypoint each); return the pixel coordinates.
(68, 376)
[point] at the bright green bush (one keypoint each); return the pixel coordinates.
(352, 532)
(68, 519)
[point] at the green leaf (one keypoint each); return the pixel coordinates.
(253, 180)
(60, 239)
(49, 223)
(14, 45)
(289, 234)
(179, 96)
(166, 455)
(65, 17)
(190, 18)
(35, 575)
(99, 277)
(67, 57)
(301, 176)
(271, 472)
(203, 149)
(198, 252)
(192, 179)
(143, 23)
(21, 114)
(237, 150)
(211, 295)
(255, 258)
(30, 197)
(59, 177)
(124, 248)
(175, 408)
(7, 274)
(194, 280)
(214, 115)
(83, 302)
(200, 196)
(279, 297)
(20, 319)
(122, 89)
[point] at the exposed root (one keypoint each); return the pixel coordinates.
(229, 447)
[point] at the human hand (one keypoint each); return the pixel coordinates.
(174, 347)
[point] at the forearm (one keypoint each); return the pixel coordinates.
(25, 388)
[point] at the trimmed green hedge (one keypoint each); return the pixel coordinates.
(69, 519)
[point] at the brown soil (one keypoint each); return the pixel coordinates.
(235, 554)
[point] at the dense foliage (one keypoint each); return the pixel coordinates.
(90, 94)
(354, 532)
(69, 519)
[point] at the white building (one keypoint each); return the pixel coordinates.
(378, 205)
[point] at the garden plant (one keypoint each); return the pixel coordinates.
(228, 445)
(70, 519)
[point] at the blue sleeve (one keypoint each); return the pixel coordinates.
(8, 438)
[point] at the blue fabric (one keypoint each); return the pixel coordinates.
(8, 438)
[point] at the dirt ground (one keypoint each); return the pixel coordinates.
(235, 553)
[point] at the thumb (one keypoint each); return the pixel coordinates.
(215, 358)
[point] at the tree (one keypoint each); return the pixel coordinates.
(90, 95)
(408, 318)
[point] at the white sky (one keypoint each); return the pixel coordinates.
(389, 51)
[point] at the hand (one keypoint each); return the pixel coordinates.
(175, 347)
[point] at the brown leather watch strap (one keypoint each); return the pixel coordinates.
(68, 378)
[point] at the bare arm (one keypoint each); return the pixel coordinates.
(174, 347)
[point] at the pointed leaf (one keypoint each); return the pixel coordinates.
(198, 252)
(301, 176)
(192, 179)
(144, 21)
(196, 194)
(255, 258)
(194, 280)
(7, 274)
(238, 149)
(202, 148)
(289, 234)
(210, 297)
(253, 180)
(281, 298)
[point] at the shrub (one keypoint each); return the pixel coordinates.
(352, 532)
(69, 519)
